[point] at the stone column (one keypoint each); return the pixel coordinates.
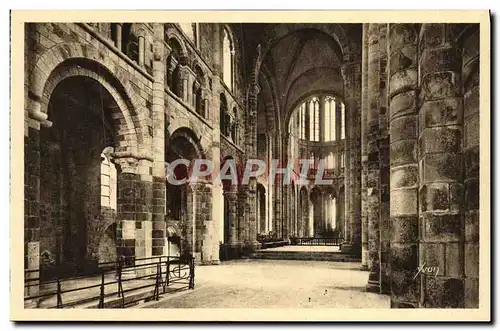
(384, 146)
(270, 186)
(118, 36)
(134, 204)
(470, 78)
(160, 52)
(364, 157)
(232, 197)
(142, 49)
(242, 228)
(351, 70)
(375, 110)
(441, 192)
(125, 182)
(205, 236)
(212, 114)
(278, 187)
(403, 80)
(171, 65)
(184, 83)
(248, 190)
(34, 119)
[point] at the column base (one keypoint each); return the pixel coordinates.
(230, 251)
(250, 247)
(373, 287)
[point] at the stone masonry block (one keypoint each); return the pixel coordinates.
(441, 227)
(403, 202)
(434, 197)
(404, 176)
(440, 85)
(441, 167)
(472, 260)
(404, 229)
(403, 104)
(403, 128)
(441, 139)
(432, 259)
(442, 292)
(403, 80)
(472, 226)
(471, 293)
(441, 112)
(401, 35)
(403, 152)
(431, 35)
(454, 260)
(440, 59)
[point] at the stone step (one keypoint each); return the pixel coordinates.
(308, 256)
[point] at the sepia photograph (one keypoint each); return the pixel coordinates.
(284, 165)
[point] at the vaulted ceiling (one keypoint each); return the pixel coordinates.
(298, 59)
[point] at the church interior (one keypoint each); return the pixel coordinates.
(392, 109)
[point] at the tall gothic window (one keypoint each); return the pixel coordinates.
(311, 118)
(227, 58)
(234, 128)
(314, 122)
(330, 119)
(342, 160)
(342, 121)
(330, 161)
(302, 121)
(224, 116)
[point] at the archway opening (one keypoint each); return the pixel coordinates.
(261, 209)
(184, 145)
(73, 211)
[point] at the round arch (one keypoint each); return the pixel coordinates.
(74, 59)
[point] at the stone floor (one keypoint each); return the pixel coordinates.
(277, 284)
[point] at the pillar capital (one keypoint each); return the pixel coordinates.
(126, 164)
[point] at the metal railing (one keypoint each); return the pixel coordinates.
(312, 241)
(114, 285)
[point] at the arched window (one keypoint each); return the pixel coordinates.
(309, 113)
(173, 74)
(227, 58)
(330, 119)
(234, 128)
(342, 160)
(199, 82)
(314, 119)
(224, 116)
(130, 42)
(108, 181)
(302, 121)
(342, 121)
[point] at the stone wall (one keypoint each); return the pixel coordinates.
(433, 164)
